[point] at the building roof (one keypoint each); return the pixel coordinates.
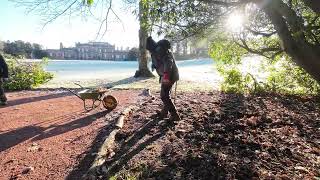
(105, 44)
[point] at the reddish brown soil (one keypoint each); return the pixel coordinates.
(221, 136)
(48, 135)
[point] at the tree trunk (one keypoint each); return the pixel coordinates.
(178, 48)
(306, 55)
(185, 47)
(313, 4)
(143, 70)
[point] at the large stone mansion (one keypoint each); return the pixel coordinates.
(89, 51)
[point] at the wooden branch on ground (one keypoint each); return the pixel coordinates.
(107, 147)
(123, 116)
(103, 153)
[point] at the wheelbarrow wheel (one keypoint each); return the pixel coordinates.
(109, 102)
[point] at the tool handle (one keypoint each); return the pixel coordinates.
(71, 92)
(79, 85)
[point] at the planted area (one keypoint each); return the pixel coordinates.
(245, 73)
(220, 136)
(26, 75)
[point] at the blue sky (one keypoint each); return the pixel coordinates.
(17, 25)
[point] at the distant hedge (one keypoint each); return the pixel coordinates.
(26, 75)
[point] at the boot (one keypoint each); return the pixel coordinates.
(163, 113)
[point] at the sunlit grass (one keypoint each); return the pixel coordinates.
(153, 85)
(132, 83)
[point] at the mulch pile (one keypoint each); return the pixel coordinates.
(221, 136)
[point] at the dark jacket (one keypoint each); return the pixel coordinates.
(162, 58)
(3, 68)
(166, 63)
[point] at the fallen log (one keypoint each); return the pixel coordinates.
(125, 113)
(103, 153)
(120, 121)
(107, 145)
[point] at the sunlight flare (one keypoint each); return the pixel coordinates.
(235, 22)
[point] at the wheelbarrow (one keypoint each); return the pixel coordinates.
(96, 96)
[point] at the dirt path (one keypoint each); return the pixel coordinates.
(48, 135)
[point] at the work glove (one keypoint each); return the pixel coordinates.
(165, 78)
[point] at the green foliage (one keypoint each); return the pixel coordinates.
(233, 81)
(237, 82)
(288, 78)
(23, 49)
(280, 73)
(26, 75)
(259, 35)
(133, 54)
(87, 2)
(266, 46)
(180, 17)
(140, 171)
(123, 176)
(226, 51)
(283, 76)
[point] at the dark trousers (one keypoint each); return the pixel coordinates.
(165, 97)
(3, 97)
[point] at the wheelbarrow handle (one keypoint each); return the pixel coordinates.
(79, 85)
(71, 92)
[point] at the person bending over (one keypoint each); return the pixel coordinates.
(164, 63)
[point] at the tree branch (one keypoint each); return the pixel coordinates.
(264, 34)
(227, 4)
(262, 51)
(104, 21)
(59, 14)
(313, 4)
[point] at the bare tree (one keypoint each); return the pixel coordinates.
(51, 10)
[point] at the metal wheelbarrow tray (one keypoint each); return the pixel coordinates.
(96, 96)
